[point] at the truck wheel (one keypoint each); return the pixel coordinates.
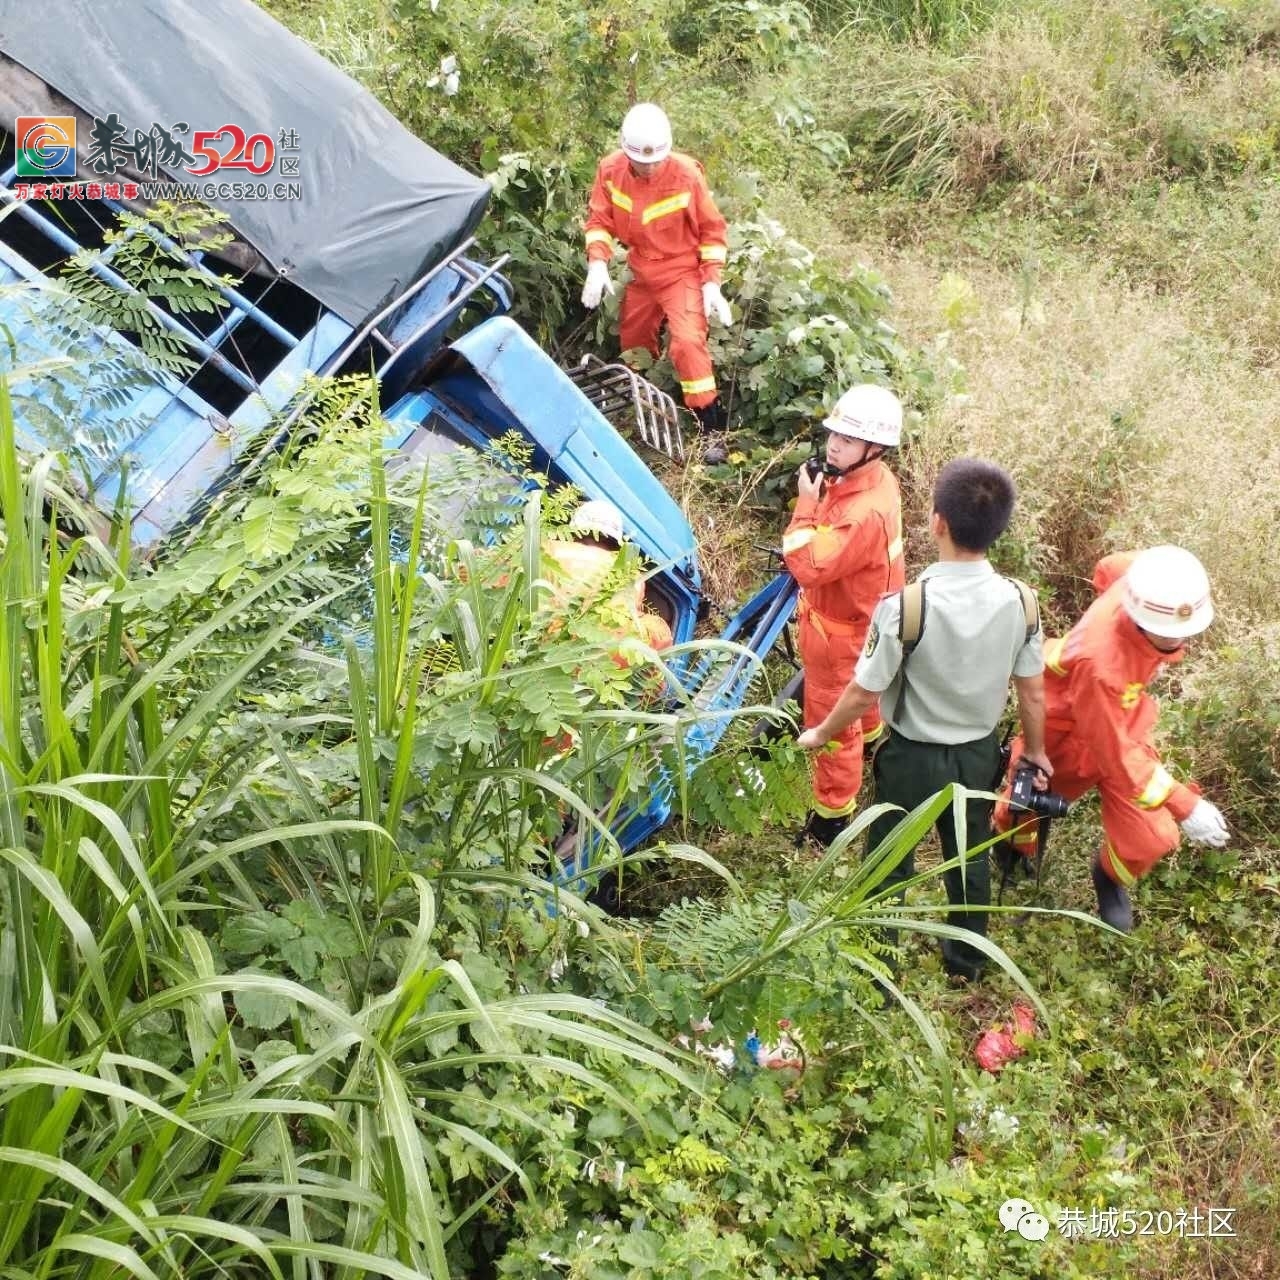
(606, 894)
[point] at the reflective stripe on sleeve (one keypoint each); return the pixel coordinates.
(598, 235)
(698, 385)
(1053, 655)
(659, 209)
(794, 541)
(1157, 790)
(713, 253)
(895, 545)
(620, 198)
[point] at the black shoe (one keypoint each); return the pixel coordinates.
(1113, 901)
(821, 831)
(961, 963)
(711, 424)
(715, 453)
(1008, 861)
(710, 418)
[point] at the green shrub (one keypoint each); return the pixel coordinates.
(253, 893)
(746, 33)
(1196, 34)
(803, 332)
(536, 216)
(1226, 728)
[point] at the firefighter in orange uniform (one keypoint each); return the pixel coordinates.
(1100, 718)
(844, 548)
(580, 567)
(656, 202)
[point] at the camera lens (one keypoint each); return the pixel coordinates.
(1025, 796)
(1051, 805)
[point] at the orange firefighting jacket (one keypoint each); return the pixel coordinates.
(1095, 683)
(668, 220)
(844, 547)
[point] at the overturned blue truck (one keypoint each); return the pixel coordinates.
(353, 249)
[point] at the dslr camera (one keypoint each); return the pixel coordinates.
(1023, 795)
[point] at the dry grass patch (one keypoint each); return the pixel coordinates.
(1123, 423)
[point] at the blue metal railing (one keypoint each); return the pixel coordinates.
(718, 689)
(104, 273)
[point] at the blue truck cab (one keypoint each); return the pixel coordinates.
(356, 254)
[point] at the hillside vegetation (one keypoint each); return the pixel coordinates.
(1055, 225)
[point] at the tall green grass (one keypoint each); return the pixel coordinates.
(940, 21)
(148, 1128)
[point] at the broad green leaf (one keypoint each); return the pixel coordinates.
(256, 933)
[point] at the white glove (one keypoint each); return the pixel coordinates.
(1206, 825)
(598, 284)
(714, 304)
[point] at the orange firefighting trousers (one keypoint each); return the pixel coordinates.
(1135, 838)
(673, 294)
(829, 652)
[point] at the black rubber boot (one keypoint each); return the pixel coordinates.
(1113, 901)
(821, 831)
(710, 420)
(1007, 860)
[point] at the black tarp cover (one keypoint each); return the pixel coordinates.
(378, 207)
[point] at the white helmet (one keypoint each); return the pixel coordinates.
(1166, 592)
(646, 133)
(598, 517)
(868, 413)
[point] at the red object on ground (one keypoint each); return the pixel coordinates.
(994, 1049)
(1024, 1020)
(997, 1046)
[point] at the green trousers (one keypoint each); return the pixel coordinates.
(907, 773)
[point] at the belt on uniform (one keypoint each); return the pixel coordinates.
(827, 625)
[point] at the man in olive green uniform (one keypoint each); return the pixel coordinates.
(942, 699)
